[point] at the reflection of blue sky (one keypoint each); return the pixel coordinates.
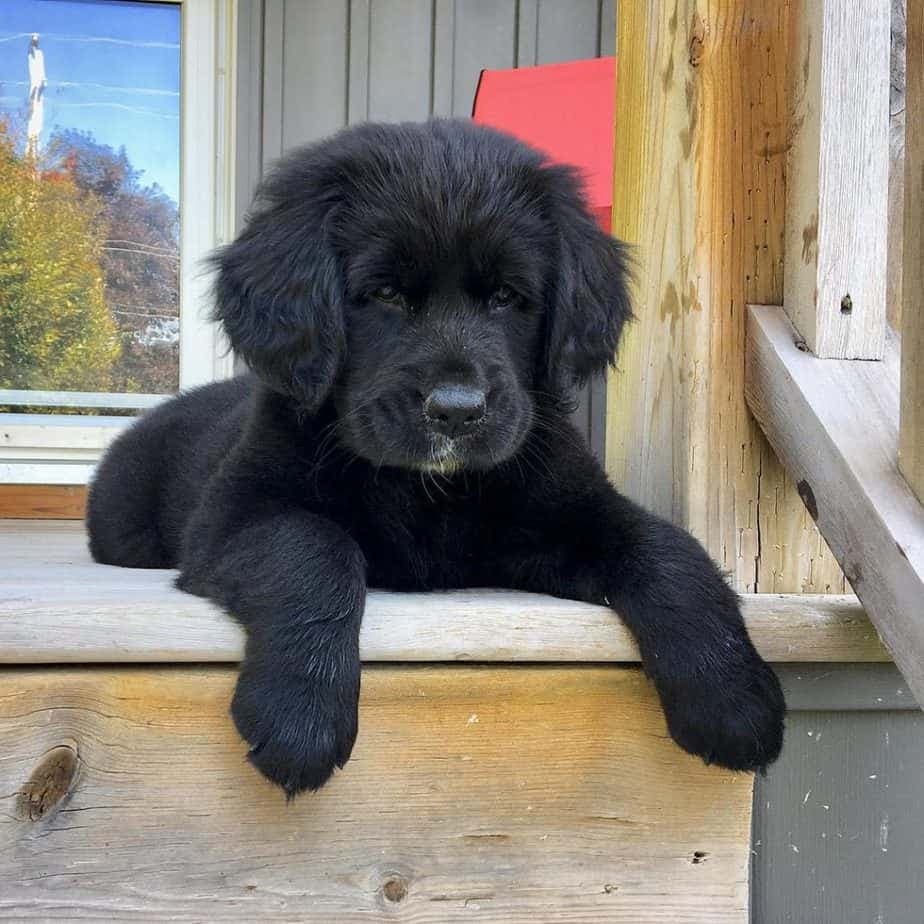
(113, 69)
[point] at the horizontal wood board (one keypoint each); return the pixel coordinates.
(489, 794)
(57, 606)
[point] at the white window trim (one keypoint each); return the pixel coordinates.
(58, 449)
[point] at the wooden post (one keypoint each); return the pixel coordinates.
(911, 429)
(838, 176)
(701, 136)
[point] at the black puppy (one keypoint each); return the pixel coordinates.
(416, 303)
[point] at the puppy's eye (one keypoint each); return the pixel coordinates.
(503, 297)
(388, 294)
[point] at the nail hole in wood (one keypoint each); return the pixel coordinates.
(846, 304)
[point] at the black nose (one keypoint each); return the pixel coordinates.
(454, 410)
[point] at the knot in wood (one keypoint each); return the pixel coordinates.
(51, 781)
(808, 498)
(395, 889)
(698, 33)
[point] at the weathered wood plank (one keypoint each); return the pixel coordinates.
(837, 176)
(507, 795)
(896, 166)
(911, 430)
(156, 623)
(56, 606)
(834, 424)
(701, 134)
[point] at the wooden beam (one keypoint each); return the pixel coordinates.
(488, 794)
(701, 136)
(837, 178)
(911, 440)
(43, 501)
(834, 424)
(56, 606)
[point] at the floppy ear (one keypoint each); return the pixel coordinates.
(279, 289)
(589, 297)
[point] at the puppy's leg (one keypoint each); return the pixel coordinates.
(297, 583)
(721, 700)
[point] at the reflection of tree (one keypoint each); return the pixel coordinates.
(89, 282)
(140, 259)
(55, 329)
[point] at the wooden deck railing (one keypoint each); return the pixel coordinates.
(851, 433)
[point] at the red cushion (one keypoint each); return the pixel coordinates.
(565, 110)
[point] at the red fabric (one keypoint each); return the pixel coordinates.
(565, 110)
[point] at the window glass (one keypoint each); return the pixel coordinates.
(89, 192)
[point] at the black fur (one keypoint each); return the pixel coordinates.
(375, 267)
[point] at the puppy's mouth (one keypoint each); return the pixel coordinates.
(447, 455)
(420, 450)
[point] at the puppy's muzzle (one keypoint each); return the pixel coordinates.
(455, 410)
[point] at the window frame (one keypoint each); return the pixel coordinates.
(64, 449)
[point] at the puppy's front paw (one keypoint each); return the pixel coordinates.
(732, 717)
(299, 730)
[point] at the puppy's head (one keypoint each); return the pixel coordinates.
(437, 282)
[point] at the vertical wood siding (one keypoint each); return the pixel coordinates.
(332, 63)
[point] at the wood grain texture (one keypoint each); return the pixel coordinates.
(515, 794)
(43, 501)
(837, 177)
(911, 434)
(793, 554)
(896, 166)
(835, 425)
(56, 606)
(701, 136)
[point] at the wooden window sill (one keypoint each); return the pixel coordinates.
(57, 606)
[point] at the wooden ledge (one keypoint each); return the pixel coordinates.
(57, 606)
(834, 425)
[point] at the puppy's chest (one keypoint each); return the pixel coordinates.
(415, 545)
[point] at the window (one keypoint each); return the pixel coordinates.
(116, 130)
